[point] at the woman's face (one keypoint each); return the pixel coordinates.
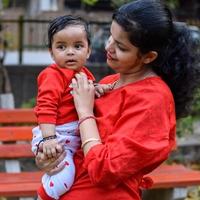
(122, 56)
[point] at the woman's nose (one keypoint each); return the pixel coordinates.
(109, 44)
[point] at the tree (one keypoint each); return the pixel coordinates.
(6, 96)
(117, 3)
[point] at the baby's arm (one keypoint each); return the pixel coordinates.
(50, 144)
(101, 89)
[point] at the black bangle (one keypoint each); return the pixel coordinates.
(51, 137)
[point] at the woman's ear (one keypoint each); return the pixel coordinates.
(150, 57)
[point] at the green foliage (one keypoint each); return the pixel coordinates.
(29, 104)
(5, 3)
(89, 2)
(172, 3)
(196, 104)
(118, 3)
(185, 125)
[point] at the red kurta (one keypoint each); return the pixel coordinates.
(137, 126)
(55, 104)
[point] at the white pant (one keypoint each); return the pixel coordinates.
(60, 183)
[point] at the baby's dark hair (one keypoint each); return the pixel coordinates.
(150, 27)
(61, 22)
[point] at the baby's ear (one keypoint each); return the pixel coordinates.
(89, 52)
(51, 53)
(150, 57)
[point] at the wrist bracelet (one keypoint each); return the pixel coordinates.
(90, 140)
(85, 118)
(51, 137)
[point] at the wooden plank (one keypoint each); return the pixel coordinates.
(16, 133)
(17, 116)
(26, 183)
(22, 184)
(15, 151)
(19, 190)
(168, 176)
(22, 177)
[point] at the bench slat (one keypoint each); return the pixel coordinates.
(16, 133)
(167, 176)
(17, 116)
(22, 177)
(26, 183)
(19, 190)
(15, 151)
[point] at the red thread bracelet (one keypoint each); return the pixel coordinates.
(85, 118)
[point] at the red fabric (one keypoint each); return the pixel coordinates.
(42, 193)
(137, 126)
(54, 102)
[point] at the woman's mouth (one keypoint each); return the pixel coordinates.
(109, 57)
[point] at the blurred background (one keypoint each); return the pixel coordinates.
(23, 54)
(23, 39)
(23, 34)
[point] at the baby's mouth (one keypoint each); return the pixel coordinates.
(71, 62)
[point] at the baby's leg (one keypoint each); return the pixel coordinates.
(58, 184)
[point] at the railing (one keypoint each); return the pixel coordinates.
(31, 34)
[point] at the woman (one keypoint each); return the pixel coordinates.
(132, 128)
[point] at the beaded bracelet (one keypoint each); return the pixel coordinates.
(89, 140)
(43, 140)
(51, 137)
(85, 118)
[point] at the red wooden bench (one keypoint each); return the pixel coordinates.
(16, 125)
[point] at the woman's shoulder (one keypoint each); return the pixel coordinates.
(109, 79)
(152, 89)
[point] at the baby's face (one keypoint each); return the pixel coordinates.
(70, 48)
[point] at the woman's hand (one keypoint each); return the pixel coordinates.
(83, 93)
(50, 165)
(102, 89)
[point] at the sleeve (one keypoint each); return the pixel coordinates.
(88, 73)
(50, 89)
(138, 143)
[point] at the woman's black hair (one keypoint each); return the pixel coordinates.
(61, 22)
(150, 28)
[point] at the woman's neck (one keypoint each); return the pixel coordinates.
(138, 75)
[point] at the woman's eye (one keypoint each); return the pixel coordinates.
(122, 48)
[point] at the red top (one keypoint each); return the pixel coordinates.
(137, 126)
(54, 102)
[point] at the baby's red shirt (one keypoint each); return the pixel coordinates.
(54, 102)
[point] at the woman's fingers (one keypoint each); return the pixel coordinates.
(57, 165)
(47, 164)
(81, 82)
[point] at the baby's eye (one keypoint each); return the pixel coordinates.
(61, 47)
(78, 46)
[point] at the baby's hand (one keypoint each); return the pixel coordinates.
(101, 89)
(50, 148)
